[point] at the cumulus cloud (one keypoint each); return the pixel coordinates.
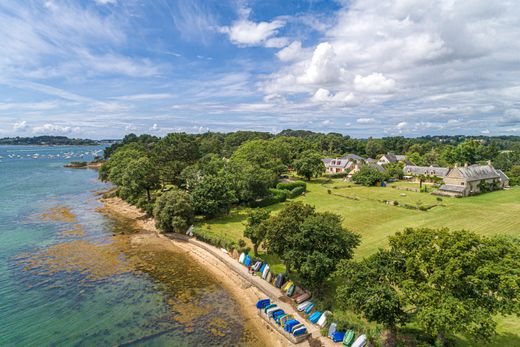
(374, 83)
(54, 129)
(155, 128)
(323, 67)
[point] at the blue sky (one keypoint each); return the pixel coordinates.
(104, 68)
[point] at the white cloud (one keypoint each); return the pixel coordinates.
(366, 120)
(485, 132)
(20, 126)
(154, 128)
(324, 95)
(54, 129)
(106, 2)
(374, 83)
(323, 67)
(247, 33)
(291, 52)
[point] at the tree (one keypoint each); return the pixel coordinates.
(250, 181)
(395, 170)
(173, 211)
(213, 195)
(368, 176)
(310, 243)
(367, 288)
(309, 165)
(456, 282)
(373, 148)
(140, 175)
(514, 175)
(255, 230)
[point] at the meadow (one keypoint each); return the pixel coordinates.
(372, 213)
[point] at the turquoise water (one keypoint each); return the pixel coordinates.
(54, 293)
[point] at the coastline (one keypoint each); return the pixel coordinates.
(244, 292)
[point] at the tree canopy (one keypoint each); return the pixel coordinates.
(309, 165)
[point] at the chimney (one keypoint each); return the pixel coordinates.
(489, 162)
(465, 164)
(456, 165)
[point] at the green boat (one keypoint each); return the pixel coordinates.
(349, 338)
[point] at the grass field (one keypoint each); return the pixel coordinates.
(365, 211)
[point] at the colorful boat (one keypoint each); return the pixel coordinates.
(269, 306)
(247, 261)
(300, 331)
(269, 277)
(302, 297)
(279, 281)
(313, 318)
(241, 258)
(290, 291)
(265, 272)
(303, 305)
(308, 309)
(290, 323)
(349, 337)
(361, 341)
(338, 336)
(285, 319)
(297, 326)
(263, 303)
(323, 319)
(332, 329)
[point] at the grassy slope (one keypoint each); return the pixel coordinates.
(487, 214)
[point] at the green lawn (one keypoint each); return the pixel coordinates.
(365, 212)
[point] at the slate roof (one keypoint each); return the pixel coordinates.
(377, 167)
(341, 163)
(452, 188)
(477, 172)
(425, 170)
(352, 157)
(503, 176)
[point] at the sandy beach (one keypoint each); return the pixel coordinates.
(243, 291)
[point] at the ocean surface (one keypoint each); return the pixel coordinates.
(68, 276)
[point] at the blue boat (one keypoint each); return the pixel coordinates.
(315, 317)
(309, 309)
(269, 306)
(297, 326)
(300, 331)
(338, 336)
(262, 268)
(271, 312)
(247, 261)
(290, 324)
(263, 303)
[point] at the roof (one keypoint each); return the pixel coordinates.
(452, 188)
(477, 172)
(343, 163)
(503, 176)
(377, 167)
(392, 158)
(370, 160)
(400, 157)
(326, 160)
(352, 157)
(426, 170)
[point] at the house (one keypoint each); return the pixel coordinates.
(390, 158)
(412, 171)
(358, 165)
(504, 180)
(470, 180)
(341, 165)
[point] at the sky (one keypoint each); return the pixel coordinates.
(105, 68)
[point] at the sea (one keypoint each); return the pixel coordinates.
(69, 277)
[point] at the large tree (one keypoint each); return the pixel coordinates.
(368, 176)
(213, 195)
(309, 165)
(140, 176)
(173, 211)
(310, 243)
(456, 282)
(255, 228)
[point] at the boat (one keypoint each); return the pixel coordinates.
(309, 308)
(313, 318)
(297, 326)
(290, 323)
(323, 319)
(269, 277)
(332, 329)
(269, 306)
(247, 261)
(361, 341)
(285, 319)
(275, 310)
(287, 285)
(263, 303)
(302, 297)
(303, 305)
(338, 336)
(349, 337)
(290, 291)
(241, 258)
(262, 267)
(279, 281)
(278, 314)
(300, 331)
(265, 272)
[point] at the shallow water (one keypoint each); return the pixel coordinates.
(66, 281)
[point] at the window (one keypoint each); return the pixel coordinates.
(461, 183)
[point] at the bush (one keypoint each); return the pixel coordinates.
(276, 196)
(296, 192)
(291, 185)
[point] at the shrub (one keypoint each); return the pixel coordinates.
(396, 203)
(276, 196)
(291, 185)
(296, 192)
(338, 175)
(439, 199)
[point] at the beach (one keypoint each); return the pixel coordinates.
(243, 291)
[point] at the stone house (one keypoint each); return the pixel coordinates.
(470, 180)
(391, 158)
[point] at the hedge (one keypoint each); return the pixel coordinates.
(277, 195)
(296, 192)
(291, 185)
(338, 175)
